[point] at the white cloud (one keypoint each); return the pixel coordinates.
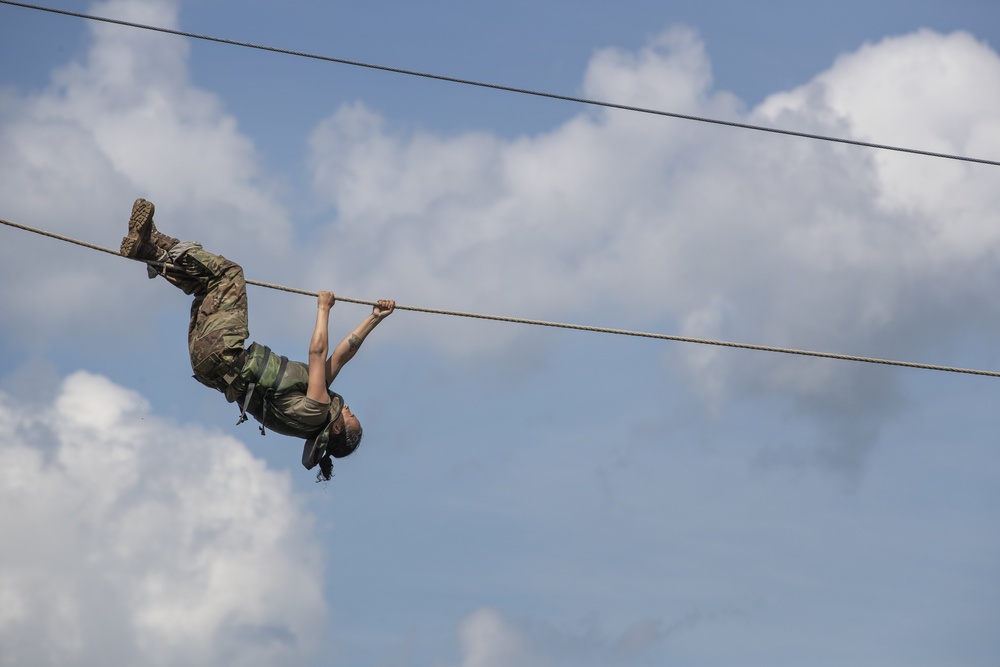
(678, 83)
(486, 638)
(131, 540)
(927, 91)
(574, 219)
(123, 122)
(730, 234)
(666, 217)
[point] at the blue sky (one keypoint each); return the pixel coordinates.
(524, 496)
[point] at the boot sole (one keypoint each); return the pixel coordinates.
(139, 228)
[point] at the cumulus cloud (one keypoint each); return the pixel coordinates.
(716, 232)
(123, 121)
(131, 540)
(487, 638)
(749, 234)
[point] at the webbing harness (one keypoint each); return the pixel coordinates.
(268, 393)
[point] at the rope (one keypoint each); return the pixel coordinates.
(560, 325)
(509, 89)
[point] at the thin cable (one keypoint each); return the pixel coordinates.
(509, 89)
(560, 325)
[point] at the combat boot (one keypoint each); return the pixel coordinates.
(138, 244)
(161, 240)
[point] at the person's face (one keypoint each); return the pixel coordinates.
(349, 420)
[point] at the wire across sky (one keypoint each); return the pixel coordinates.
(560, 325)
(504, 88)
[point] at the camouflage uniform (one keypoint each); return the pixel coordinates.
(217, 333)
(271, 388)
(218, 328)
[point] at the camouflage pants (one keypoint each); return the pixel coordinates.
(218, 329)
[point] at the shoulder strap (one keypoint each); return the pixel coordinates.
(253, 385)
(270, 392)
(281, 372)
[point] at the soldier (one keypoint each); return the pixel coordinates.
(289, 397)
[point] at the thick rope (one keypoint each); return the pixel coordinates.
(560, 325)
(509, 89)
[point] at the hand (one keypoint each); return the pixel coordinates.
(325, 300)
(383, 308)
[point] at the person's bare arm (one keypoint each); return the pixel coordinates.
(348, 347)
(319, 344)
